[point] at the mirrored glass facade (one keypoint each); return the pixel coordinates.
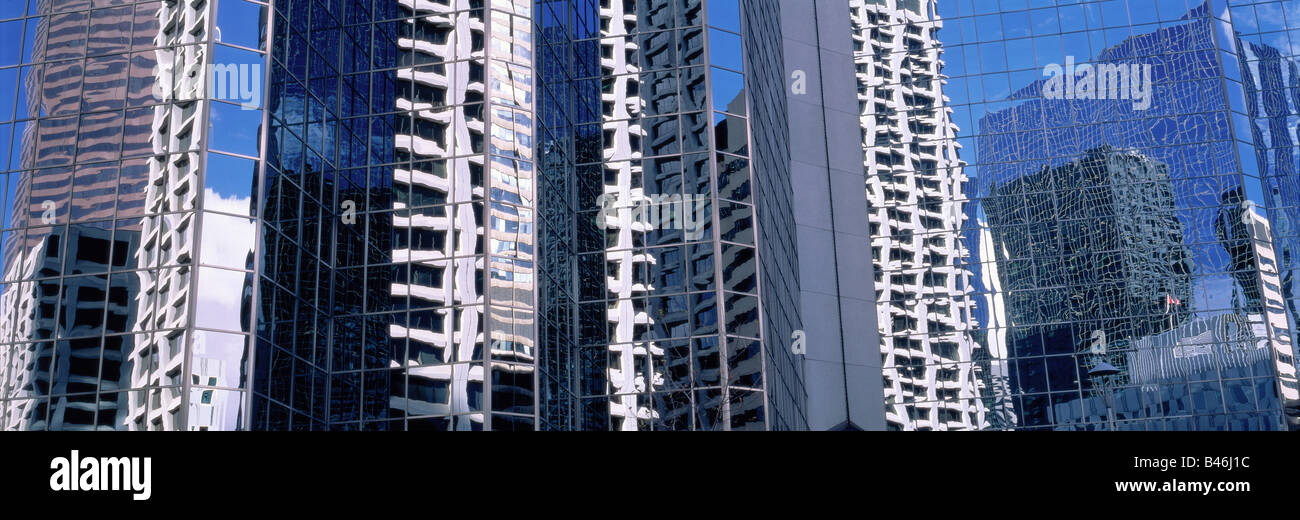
(648, 136)
(934, 374)
(328, 214)
(583, 214)
(1120, 181)
(106, 131)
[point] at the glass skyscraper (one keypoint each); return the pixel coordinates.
(649, 214)
(934, 377)
(394, 214)
(651, 126)
(1122, 178)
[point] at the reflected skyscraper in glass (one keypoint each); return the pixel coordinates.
(100, 208)
(936, 372)
(1130, 201)
(650, 132)
(408, 214)
(648, 214)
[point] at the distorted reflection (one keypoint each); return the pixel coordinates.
(652, 351)
(1108, 232)
(100, 226)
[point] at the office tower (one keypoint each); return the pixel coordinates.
(82, 113)
(1118, 291)
(842, 364)
(159, 359)
(934, 377)
(1267, 70)
(675, 164)
(388, 215)
(78, 308)
(446, 311)
(562, 56)
(438, 41)
(1128, 229)
(114, 129)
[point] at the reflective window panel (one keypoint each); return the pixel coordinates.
(1083, 212)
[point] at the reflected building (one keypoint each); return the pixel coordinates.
(405, 226)
(438, 229)
(57, 384)
(1267, 73)
(78, 91)
(158, 359)
(1062, 240)
(671, 318)
(1131, 228)
(71, 289)
(915, 187)
(99, 244)
(462, 187)
(429, 207)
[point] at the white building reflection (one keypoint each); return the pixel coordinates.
(916, 210)
(462, 217)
